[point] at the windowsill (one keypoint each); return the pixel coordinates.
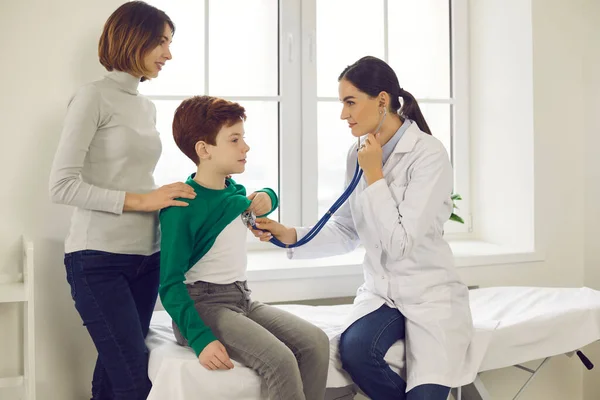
(268, 265)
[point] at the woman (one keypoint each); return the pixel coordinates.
(412, 290)
(103, 167)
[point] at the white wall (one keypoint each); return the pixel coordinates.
(49, 48)
(501, 122)
(502, 100)
(591, 75)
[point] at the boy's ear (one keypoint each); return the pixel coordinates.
(202, 150)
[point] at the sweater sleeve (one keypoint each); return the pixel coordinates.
(176, 251)
(274, 200)
(85, 115)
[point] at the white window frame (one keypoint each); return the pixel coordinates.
(461, 150)
(298, 111)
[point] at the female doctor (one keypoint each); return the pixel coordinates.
(398, 210)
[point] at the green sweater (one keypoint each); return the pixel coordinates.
(188, 233)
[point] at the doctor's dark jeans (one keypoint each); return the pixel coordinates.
(362, 350)
(115, 295)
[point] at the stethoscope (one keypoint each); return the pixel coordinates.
(249, 218)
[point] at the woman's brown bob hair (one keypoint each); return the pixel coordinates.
(129, 33)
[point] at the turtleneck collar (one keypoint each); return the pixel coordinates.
(126, 81)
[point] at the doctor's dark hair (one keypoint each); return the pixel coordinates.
(373, 76)
(200, 118)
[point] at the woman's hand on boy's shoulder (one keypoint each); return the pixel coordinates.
(164, 196)
(261, 203)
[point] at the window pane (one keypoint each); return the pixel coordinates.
(243, 47)
(173, 165)
(419, 46)
(262, 135)
(184, 74)
(334, 141)
(261, 129)
(346, 31)
(438, 119)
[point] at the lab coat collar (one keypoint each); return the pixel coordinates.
(407, 142)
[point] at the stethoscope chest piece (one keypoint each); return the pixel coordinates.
(248, 218)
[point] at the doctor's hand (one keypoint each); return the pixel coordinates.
(273, 228)
(214, 357)
(370, 159)
(261, 203)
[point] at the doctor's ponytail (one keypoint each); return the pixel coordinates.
(373, 76)
(410, 109)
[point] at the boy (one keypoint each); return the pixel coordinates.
(203, 264)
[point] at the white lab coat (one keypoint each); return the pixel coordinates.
(399, 220)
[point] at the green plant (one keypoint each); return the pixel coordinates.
(453, 216)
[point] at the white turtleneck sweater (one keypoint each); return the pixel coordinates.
(109, 145)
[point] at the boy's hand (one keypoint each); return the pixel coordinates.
(214, 357)
(261, 203)
(274, 228)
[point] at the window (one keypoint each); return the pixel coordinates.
(217, 52)
(281, 60)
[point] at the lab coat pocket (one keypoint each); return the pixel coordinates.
(424, 298)
(437, 304)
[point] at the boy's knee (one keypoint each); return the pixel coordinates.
(322, 344)
(316, 344)
(282, 359)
